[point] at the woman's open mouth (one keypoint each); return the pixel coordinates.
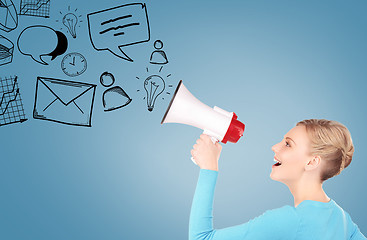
(277, 162)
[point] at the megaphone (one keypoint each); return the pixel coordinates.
(221, 125)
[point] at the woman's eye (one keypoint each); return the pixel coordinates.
(287, 144)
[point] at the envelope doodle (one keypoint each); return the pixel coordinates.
(64, 101)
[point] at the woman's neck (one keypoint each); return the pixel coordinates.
(307, 190)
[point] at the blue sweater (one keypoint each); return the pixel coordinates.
(309, 220)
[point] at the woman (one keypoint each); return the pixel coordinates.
(310, 153)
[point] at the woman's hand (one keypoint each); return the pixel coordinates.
(206, 153)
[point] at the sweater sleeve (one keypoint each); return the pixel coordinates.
(357, 235)
(354, 232)
(281, 223)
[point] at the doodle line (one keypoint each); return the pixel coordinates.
(116, 19)
(4, 52)
(121, 26)
(12, 100)
(15, 80)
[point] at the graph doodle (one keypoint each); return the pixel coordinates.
(11, 105)
(37, 8)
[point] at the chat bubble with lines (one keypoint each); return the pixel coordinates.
(117, 27)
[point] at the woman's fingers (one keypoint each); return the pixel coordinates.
(206, 153)
(219, 147)
(205, 138)
(193, 153)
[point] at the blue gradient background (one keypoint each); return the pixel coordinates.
(274, 63)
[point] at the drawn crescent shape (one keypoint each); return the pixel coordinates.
(62, 45)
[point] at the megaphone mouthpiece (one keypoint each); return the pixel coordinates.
(235, 130)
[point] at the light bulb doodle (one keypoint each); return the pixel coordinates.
(154, 86)
(71, 21)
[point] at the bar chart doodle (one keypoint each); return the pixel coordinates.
(11, 105)
(37, 8)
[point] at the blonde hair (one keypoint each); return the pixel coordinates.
(331, 141)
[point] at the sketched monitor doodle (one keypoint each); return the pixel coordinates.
(64, 101)
(37, 8)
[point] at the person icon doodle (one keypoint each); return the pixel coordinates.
(114, 97)
(158, 56)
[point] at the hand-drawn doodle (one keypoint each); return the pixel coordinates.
(6, 51)
(154, 86)
(158, 56)
(64, 101)
(114, 97)
(73, 64)
(31, 38)
(117, 27)
(36, 8)
(11, 105)
(71, 21)
(8, 16)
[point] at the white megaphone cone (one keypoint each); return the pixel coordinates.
(221, 125)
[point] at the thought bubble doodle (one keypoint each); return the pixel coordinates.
(117, 27)
(39, 41)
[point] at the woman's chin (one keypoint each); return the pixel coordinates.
(274, 176)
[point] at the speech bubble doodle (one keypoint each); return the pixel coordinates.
(38, 41)
(117, 27)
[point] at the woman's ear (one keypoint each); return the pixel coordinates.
(313, 163)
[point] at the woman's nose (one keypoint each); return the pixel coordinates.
(275, 147)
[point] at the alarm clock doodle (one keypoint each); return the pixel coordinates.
(74, 64)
